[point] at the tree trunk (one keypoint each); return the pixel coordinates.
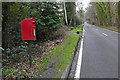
(65, 14)
(70, 21)
(75, 14)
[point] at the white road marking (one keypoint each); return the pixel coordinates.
(105, 34)
(96, 29)
(78, 67)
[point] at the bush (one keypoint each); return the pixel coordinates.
(16, 74)
(93, 23)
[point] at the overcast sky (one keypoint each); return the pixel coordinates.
(84, 2)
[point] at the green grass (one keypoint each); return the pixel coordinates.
(61, 55)
(65, 52)
(109, 28)
(75, 30)
(79, 29)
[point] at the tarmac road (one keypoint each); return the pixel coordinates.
(100, 53)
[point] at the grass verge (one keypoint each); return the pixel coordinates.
(78, 29)
(59, 57)
(109, 28)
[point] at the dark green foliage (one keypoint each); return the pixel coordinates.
(46, 15)
(19, 74)
(47, 21)
(93, 23)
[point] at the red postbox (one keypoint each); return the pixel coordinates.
(28, 29)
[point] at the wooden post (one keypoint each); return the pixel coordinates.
(30, 54)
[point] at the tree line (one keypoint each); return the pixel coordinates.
(103, 13)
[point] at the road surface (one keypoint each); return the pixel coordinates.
(100, 53)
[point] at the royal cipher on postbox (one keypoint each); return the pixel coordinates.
(28, 29)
